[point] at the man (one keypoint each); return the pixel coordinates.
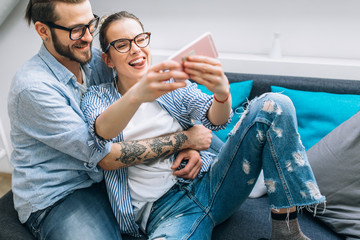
(57, 178)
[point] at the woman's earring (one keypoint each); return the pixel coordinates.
(115, 78)
(114, 72)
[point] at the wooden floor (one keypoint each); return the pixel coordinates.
(5, 183)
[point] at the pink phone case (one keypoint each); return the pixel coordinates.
(204, 45)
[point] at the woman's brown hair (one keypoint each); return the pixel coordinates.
(112, 18)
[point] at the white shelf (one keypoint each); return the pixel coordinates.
(287, 65)
(289, 59)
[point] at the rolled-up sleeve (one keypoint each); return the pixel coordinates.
(93, 103)
(190, 101)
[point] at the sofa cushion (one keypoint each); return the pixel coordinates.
(336, 164)
(11, 228)
(262, 83)
(318, 113)
(253, 221)
(240, 92)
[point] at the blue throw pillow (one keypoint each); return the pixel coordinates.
(318, 113)
(240, 92)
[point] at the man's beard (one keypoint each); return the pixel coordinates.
(67, 52)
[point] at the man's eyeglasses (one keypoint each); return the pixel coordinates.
(123, 45)
(77, 32)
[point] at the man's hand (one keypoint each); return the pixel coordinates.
(193, 166)
(199, 137)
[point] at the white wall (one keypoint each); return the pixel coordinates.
(318, 37)
(18, 43)
(320, 28)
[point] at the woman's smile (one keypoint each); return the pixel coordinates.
(138, 62)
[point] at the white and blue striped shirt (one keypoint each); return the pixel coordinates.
(184, 104)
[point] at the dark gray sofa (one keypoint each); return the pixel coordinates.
(252, 220)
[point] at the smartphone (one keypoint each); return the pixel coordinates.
(203, 45)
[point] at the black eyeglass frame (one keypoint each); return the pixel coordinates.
(84, 26)
(130, 40)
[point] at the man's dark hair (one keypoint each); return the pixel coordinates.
(43, 10)
(112, 18)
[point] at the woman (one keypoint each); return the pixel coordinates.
(146, 102)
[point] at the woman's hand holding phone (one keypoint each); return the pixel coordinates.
(153, 85)
(208, 72)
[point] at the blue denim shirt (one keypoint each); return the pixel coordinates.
(50, 137)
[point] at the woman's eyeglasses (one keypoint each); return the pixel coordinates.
(123, 45)
(77, 32)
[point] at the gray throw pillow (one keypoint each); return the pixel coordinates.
(335, 161)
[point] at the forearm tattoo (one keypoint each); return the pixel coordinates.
(157, 145)
(149, 150)
(131, 152)
(180, 140)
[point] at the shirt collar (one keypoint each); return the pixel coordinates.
(60, 71)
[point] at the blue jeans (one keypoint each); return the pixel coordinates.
(265, 138)
(84, 214)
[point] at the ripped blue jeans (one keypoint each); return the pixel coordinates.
(265, 137)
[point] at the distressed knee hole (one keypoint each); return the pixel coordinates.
(278, 131)
(268, 106)
(299, 159)
(288, 166)
(270, 185)
(313, 190)
(246, 166)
